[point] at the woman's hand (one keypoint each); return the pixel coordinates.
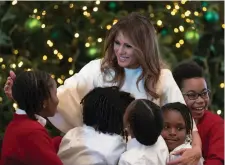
(190, 156)
(9, 84)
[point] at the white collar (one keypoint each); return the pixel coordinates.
(133, 143)
(40, 119)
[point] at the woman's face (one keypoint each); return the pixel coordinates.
(124, 51)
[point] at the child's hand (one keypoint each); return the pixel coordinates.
(190, 156)
(9, 84)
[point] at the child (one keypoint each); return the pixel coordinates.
(99, 141)
(190, 78)
(178, 125)
(26, 141)
(143, 122)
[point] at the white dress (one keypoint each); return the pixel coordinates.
(69, 112)
(138, 154)
(85, 146)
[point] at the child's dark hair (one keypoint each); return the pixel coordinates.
(30, 89)
(103, 109)
(184, 111)
(187, 70)
(146, 122)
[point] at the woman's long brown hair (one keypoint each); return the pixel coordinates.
(142, 34)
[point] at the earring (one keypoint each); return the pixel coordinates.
(44, 106)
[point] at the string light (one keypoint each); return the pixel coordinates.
(196, 13)
(44, 12)
(14, 2)
(99, 40)
(183, 1)
(152, 15)
(181, 42)
(35, 11)
(168, 7)
(68, 20)
(182, 16)
(1, 99)
(97, 2)
(71, 5)
(15, 106)
(53, 76)
(20, 64)
(56, 6)
(115, 21)
(60, 56)
(177, 45)
(71, 72)
(223, 25)
(38, 17)
(89, 38)
(173, 13)
(188, 20)
(219, 112)
(181, 28)
(204, 9)
(85, 13)
(1, 59)
(43, 26)
(44, 58)
(50, 43)
(76, 35)
(187, 13)
(70, 59)
(15, 51)
(84, 8)
(13, 66)
(28, 69)
(62, 77)
(3, 66)
(108, 27)
(87, 45)
(55, 51)
(88, 14)
(159, 22)
(59, 80)
(222, 85)
(177, 7)
(176, 30)
(95, 9)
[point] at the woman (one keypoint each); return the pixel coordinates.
(132, 62)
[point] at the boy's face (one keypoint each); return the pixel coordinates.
(191, 88)
(174, 130)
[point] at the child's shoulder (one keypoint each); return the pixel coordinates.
(23, 126)
(212, 117)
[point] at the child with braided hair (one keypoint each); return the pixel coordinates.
(100, 140)
(143, 122)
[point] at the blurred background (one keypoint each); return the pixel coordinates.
(61, 37)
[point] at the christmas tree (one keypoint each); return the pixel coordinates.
(61, 37)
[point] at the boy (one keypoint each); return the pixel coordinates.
(189, 77)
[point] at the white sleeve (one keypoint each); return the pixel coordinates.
(69, 112)
(170, 91)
